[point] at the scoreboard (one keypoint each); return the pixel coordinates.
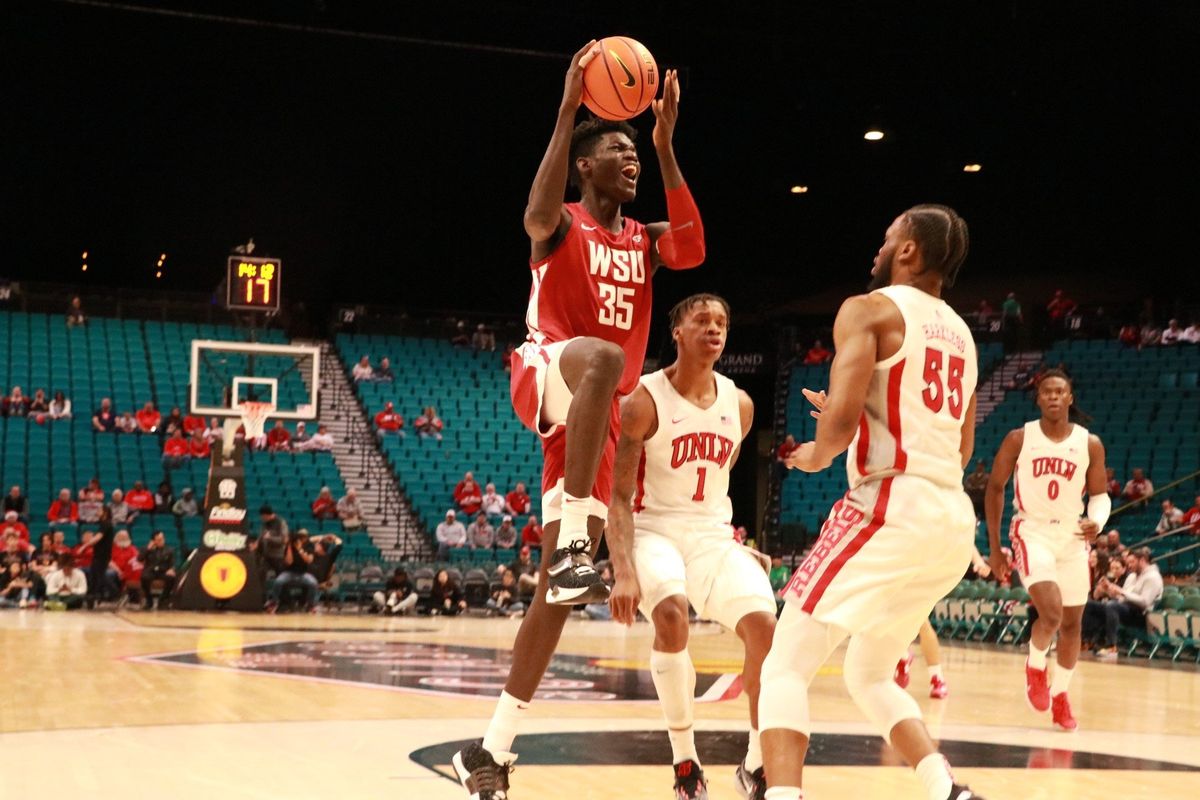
(253, 284)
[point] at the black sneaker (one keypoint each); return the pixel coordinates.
(962, 793)
(481, 774)
(750, 785)
(689, 781)
(573, 578)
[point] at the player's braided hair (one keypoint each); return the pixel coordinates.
(584, 137)
(680, 310)
(942, 236)
(1074, 413)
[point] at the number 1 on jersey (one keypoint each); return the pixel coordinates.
(700, 476)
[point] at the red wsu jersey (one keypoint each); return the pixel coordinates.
(595, 283)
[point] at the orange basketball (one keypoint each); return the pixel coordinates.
(620, 82)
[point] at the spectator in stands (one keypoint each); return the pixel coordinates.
(127, 423)
(817, 354)
(103, 577)
(451, 536)
(1113, 540)
(483, 338)
(105, 419)
(16, 404)
(214, 432)
(91, 501)
(16, 501)
(1059, 308)
(176, 452)
(122, 513)
(516, 502)
(272, 538)
(467, 494)
(279, 438)
(1150, 335)
(384, 374)
(506, 534)
(186, 505)
(60, 406)
(779, 576)
(984, 314)
(460, 338)
(39, 406)
(1138, 488)
(321, 441)
(326, 550)
(447, 596)
(492, 503)
(158, 565)
(785, 449)
(63, 511)
(12, 524)
(297, 557)
(173, 422)
(349, 512)
(1192, 517)
(975, 485)
(198, 446)
(1130, 336)
(66, 587)
(505, 599)
(149, 420)
(480, 533)
(1191, 334)
(429, 424)
(164, 498)
(324, 507)
(16, 586)
(398, 596)
(1113, 485)
(531, 534)
(127, 564)
(193, 424)
(301, 436)
(526, 570)
(362, 370)
(75, 315)
(1172, 334)
(388, 422)
(1141, 590)
(1010, 310)
(1171, 518)
(139, 498)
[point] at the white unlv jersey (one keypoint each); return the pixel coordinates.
(1051, 477)
(915, 402)
(684, 473)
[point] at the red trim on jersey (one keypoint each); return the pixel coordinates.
(864, 443)
(640, 496)
(1017, 487)
(893, 403)
(856, 544)
(1020, 553)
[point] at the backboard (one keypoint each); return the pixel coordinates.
(224, 374)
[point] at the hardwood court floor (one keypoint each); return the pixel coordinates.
(245, 706)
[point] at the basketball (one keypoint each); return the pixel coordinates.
(621, 81)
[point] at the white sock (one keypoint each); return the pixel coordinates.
(503, 727)
(754, 758)
(675, 681)
(787, 793)
(935, 671)
(1037, 658)
(574, 519)
(934, 773)
(1060, 680)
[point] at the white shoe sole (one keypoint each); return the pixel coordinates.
(566, 597)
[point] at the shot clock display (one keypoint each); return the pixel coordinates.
(253, 283)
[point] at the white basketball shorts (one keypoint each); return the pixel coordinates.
(1052, 552)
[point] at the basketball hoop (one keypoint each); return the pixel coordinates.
(254, 415)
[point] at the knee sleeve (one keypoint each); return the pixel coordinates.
(868, 670)
(801, 645)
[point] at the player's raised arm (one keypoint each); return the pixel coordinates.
(993, 499)
(544, 213)
(639, 420)
(679, 243)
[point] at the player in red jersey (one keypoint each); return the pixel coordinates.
(588, 320)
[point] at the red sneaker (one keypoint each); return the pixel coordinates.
(1063, 720)
(1037, 688)
(901, 675)
(938, 688)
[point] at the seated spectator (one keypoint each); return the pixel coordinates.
(1113, 540)
(214, 432)
(505, 600)
(127, 423)
(1171, 518)
(126, 561)
(158, 565)
(199, 447)
(460, 338)
(149, 420)
(15, 548)
(66, 587)
(75, 315)
(139, 498)
(817, 354)
(447, 597)
(516, 502)
(326, 550)
(186, 505)
(16, 501)
(297, 557)
(324, 507)
(60, 406)
(531, 534)
(467, 494)
(91, 501)
(429, 424)
(451, 536)
(1172, 334)
(105, 419)
(122, 513)
(1138, 488)
(39, 406)
(483, 338)
(384, 374)
(1112, 485)
(388, 422)
(975, 485)
(1192, 517)
(15, 404)
(348, 511)
(301, 436)
(176, 452)
(164, 498)
(506, 534)
(63, 511)
(398, 596)
(492, 503)
(173, 422)
(272, 538)
(193, 424)
(601, 611)
(1060, 307)
(1191, 334)
(526, 571)
(1130, 336)
(1150, 335)
(480, 534)
(321, 441)
(779, 575)
(16, 586)
(362, 370)
(278, 438)
(1140, 591)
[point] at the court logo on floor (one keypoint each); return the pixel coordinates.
(443, 669)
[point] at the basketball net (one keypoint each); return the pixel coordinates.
(253, 416)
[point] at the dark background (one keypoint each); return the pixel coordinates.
(387, 159)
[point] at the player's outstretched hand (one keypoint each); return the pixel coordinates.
(1088, 530)
(623, 600)
(998, 561)
(817, 399)
(804, 458)
(573, 91)
(666, 110)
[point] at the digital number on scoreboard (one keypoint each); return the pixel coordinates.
(253, 283)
